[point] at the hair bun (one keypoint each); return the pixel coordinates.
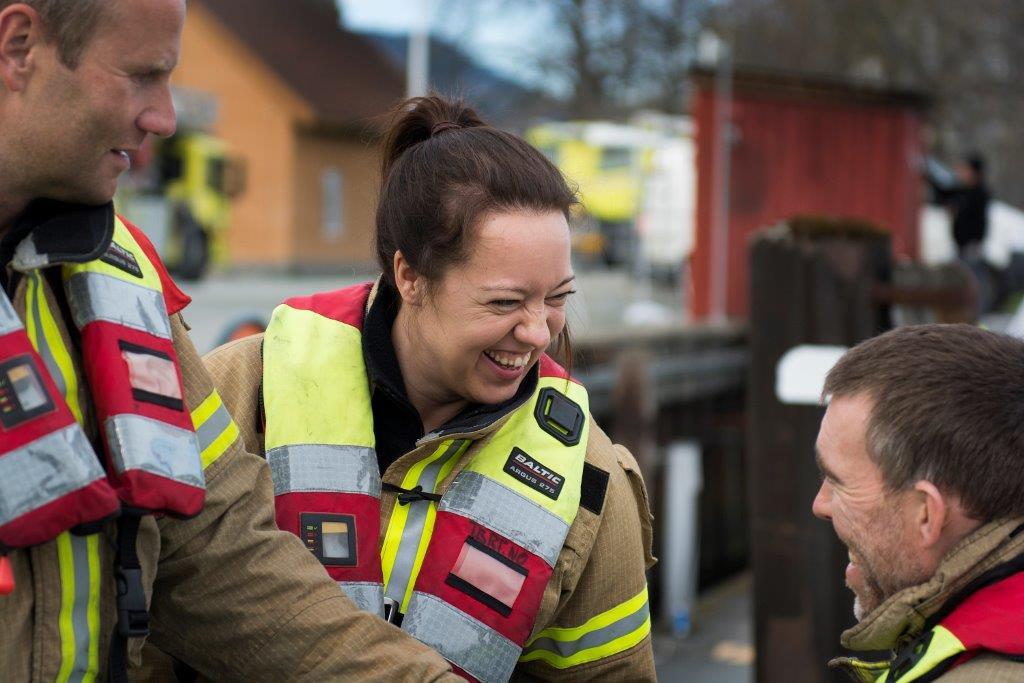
(443, 126)
(418, 119)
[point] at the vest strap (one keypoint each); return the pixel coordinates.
(406, 496)
(132, 612)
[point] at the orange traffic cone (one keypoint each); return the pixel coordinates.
(6, 576)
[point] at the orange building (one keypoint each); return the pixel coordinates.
(300, 102)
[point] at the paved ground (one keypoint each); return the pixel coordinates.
(720, 649)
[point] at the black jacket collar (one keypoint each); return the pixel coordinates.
(58, 232)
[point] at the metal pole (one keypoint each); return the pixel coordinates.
(417, 69)
(723, 158)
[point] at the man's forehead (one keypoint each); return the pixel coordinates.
(843, 432)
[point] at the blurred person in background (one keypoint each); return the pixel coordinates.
(96, 365)
(423, 405)
(921, 452)
(967, 202)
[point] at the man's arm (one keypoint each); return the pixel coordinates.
(236, 598)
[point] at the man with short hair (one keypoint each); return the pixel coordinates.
(107, 412)
(921, 452)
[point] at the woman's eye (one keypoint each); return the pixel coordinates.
(560, 298)
(505, 304)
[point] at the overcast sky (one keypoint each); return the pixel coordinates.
(493, 32)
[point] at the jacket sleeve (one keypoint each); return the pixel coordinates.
(237, 599)
(602, 630)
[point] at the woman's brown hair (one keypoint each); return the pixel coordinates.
(444, 171)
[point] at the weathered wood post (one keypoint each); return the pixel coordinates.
(811, 283)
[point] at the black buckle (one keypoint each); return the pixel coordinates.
(909, 656)
(391, 613)
(559, 416)
(406, 496)
(132, 614)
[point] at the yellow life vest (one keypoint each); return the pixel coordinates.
(463, 571)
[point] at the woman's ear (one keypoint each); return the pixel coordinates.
(409, 283)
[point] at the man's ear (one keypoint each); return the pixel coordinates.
(20, 32)
(933, 513)
(411, 285)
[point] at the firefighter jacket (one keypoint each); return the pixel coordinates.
(965, 624)
(219, 596)
(514, 548)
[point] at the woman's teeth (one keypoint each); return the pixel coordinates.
(507, 361)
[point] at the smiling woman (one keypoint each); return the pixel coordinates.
(515, 535)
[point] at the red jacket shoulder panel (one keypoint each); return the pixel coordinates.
(346, 305)
(992, 619)
(549, 368)
(174, 298)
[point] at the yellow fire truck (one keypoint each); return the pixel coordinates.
(179, 189)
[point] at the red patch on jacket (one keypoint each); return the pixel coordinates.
(174, 298)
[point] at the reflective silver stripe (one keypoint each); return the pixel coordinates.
(80, 606)
(321, 467)
(209, 431)
(141, 443)
(502, 510)
(94, 296)
(9, 320)
(44, 344)
(415, 521)
(467, 643)
(602, 636)
(42, 471)
(368, 596)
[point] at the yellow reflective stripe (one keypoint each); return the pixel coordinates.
(150, 277)
(36, 300)
(66, 564)
(428, 527)
(943, 645)
(78, 561)
(213, 406)
(220, 446)
(400, 514)
(600, 621)
(626, 624)
(205, 409)
(93, 614)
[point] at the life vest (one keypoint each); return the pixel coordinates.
(51, 479)
(989, 620)
(466, 569)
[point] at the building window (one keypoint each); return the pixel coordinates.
(331, 196)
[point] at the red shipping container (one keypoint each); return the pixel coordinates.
(802, 146)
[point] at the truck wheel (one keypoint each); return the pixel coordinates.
(195, 251)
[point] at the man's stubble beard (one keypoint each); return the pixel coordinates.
(889, 569)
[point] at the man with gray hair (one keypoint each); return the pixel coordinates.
(921, 453)
(128, 505)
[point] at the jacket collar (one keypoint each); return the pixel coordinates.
(906, 614)
(52, 232)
